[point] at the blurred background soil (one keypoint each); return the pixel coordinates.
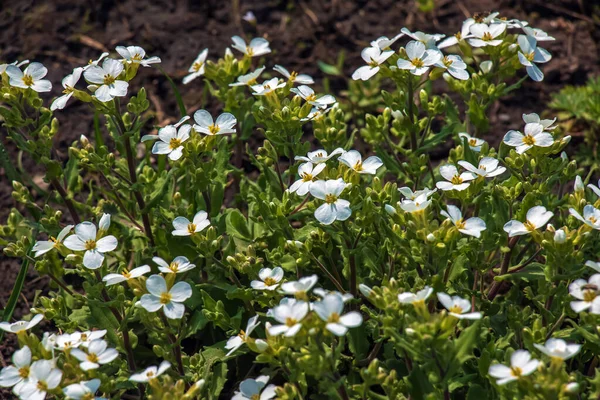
(63, 34)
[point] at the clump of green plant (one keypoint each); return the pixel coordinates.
(329, 273)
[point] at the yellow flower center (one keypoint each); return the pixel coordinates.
(92, 357)
(269, 281)
(473, 142)
(42, 386)
(592, 219)
(165, 298)
(487, 37)
(455, 309)
(255, 397)
(529, 226)
(68, 89)
(456, 180)
(174, 266)
(460, 224)
(197, 65)
(290, 321)
(242, 335)
(293, 76)
(529, 56)
(334, 318)
(27, 80)
(137, 58)
(307, 177)
(24, 372)
(589, 295)
(191, 228)
(311, 97)
(458, 35)
(174, 143)
(358, 166)
(213, 129)
(516, 372)
(150, 374)
(330, 198)
(529, 140)
(417, 62)
(447, 62)
(87, 396)
(109, 79)
(126, 274)
(250, 51)
(90, 244)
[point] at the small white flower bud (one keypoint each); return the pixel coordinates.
(572, 387)
(486, 66)
(431, 237)
(397, 114)
(365, 290)
(564, 156)
(578, 186)
(560, 236)
(513, 47)
(261, 345)
(390, 209)
(410, 331)
(83, 140)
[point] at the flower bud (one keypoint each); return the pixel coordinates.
(560, 236)
(578, 186)
(261, 345)
(572, 387)
(390, 209)
(431, 237)
(486, 66)
(365, 290)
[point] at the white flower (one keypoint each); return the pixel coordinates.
(420, 203)
(21, 326)
(536, 218)
(269, 279)
(17, 64)
(330, 310)
(113, 279)
(135, 55)
(319, 156)
(309, 95)
(586, 293)
(334, 208)
(521, 365)
(473, 142)
(560, 236)
(530, 54)
(374, 57)
(171, 140)
(548, 124)
(31, 78)
(254, 389)
(88, 337)
(289, 313)
(225, 123)
(317, 113)
(16, 375)
(87, 239)
(591, 216)
(179, 265)
(43, 376)
(235, 342)
(183, 226)
(294, 77)
(353, 159)
(44, 246)
(465, 33)
(593, 265)
(197, 68)
(455, 66)
(267, 87)
(486, 35)
(307, 173)
(558, 349)
(419, 58)
(97, 354)
(322, 293)
(299, 287)
(458, 307)
(250, 17)
(68, 84)
(412, 298)
(107, 79)
(427, 39)
(488, 167)
(257, 46)
(410, 195)
(473, 226)
(455, 181)
(248, 79)
(150, 373)
(171, 301)
(538, 34)
(534, 136)
(383, 42)
(67, 341)
(93, 63)
(84, 390)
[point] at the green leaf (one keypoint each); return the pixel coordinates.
(237, 225)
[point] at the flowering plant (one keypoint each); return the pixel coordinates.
(187, 263)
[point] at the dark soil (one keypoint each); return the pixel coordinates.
(63, 34)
